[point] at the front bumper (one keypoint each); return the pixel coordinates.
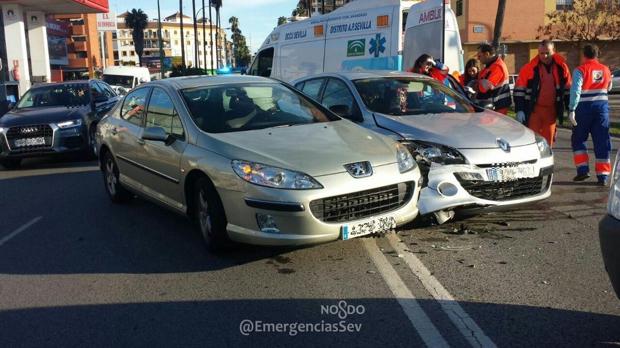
(57, 141)
(486, 193)
(609, 235)
(292, 211)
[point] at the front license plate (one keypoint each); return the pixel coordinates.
(511, 173)
(30, 142)
(376, 225)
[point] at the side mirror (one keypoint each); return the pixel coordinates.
(155, 134)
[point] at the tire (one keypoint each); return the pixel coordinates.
(11, 163)
(116, 192)
(91, 151)
(209, 216)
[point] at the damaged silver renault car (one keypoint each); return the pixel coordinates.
(470, 158)
(253, 160)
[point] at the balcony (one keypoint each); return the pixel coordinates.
(78, 62)
(80, 46)
(78, 30)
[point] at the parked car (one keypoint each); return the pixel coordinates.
(609, 230)
(253, 160)
(615, 86)
(469, 157)
(54, 118)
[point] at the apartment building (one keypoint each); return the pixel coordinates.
(327, 5)
(476, 19)
(84, 48)
(171, 41)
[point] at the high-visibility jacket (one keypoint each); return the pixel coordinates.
(527, 87)
(493, 87)
(595, 81)
(435, 72)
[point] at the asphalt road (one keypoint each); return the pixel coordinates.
(77, 270)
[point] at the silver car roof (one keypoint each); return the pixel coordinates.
(205, 81)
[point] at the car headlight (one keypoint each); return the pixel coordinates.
(543, 147)
(263, 175)
(613, 207)
(69, 124)
(405, 160)
(434, 153)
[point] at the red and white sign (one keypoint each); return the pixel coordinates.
(106, 21)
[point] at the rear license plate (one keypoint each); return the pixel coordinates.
(511, 173)
(30, 142)
(376, 225)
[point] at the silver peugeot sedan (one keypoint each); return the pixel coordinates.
(470, 158)
(253, 160)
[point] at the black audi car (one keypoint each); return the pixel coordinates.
(53, 119)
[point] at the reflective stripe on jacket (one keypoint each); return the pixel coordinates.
(527, 87)
(493, 87)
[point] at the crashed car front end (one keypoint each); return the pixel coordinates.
(482, 178)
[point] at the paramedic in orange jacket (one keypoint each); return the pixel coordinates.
(492, 87)
(426, 65)
(542, 91)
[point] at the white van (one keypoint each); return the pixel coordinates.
(361, 35)
(124, 78)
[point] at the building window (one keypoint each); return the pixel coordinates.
(133, 53)
(459, 8)
(176, 42)
(124, 53)
(563, 5)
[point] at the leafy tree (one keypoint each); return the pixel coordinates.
(137, 21)
(240, 49)
(302, 9)
(282, 20)
(587, 21)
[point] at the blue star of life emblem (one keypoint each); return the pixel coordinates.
(377, 45)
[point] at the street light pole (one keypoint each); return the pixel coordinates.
(161, 43)
(195, 34)
(204, 48)
(211, 33)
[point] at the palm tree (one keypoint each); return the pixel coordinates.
(137, 21)
(182, 35)
(211, 32)
(236, 33)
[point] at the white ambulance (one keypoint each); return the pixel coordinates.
(362, 35)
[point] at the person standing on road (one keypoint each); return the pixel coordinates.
(542, 90)
(589, 114)
(492, 87)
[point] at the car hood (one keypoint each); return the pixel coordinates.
(460, 130)
(28, 116)
(315, 149)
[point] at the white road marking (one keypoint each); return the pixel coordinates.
(421, 322)
(20, 230)
(466, 325)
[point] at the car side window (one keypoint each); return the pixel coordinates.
(337, 93)
(312, 88)
(107, 90)
(162, 113)
(96, 90)
(300, 86)
(134, 106)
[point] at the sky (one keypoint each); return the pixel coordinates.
(257, 18)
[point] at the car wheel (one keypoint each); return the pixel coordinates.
(91, 151)
(210, 216)
(11, 163)
(115, 190)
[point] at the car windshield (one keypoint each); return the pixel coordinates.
(55, 95)
(242, 107)
(401, 96)
(119, 80)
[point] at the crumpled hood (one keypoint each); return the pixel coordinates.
(315, 149)
(30, 116)
(460, 130)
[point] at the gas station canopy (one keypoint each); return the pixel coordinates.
(63, 6)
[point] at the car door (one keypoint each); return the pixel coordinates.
(160, 161)
(127, 133)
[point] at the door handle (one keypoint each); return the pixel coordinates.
(141, 141)
(114, 131)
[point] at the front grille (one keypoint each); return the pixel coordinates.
(358, 205)
(505, 190)
(16, 134)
